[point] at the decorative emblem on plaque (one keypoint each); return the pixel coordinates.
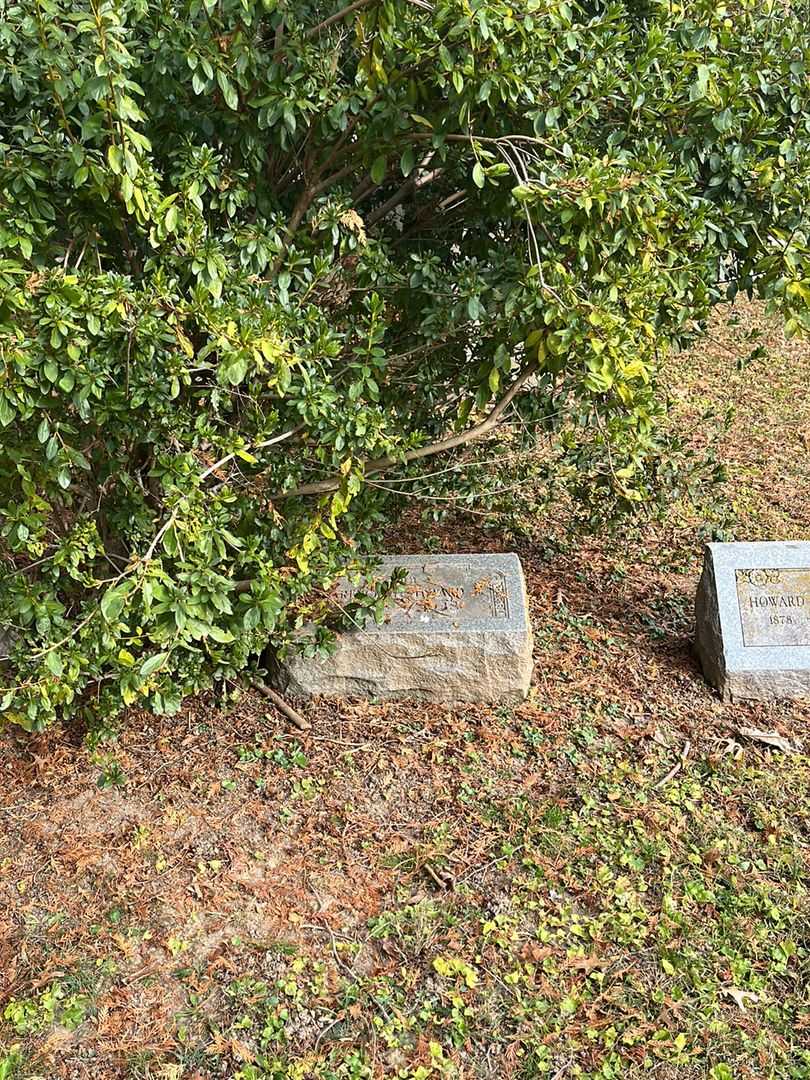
(759, 577)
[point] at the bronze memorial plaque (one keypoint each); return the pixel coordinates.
(774, 607)
(444, 592)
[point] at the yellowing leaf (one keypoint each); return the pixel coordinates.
(635, 369)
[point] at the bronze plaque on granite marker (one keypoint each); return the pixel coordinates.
(774, 607)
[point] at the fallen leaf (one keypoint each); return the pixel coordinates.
(730, 747)
(241, 1051)
(537, 953)
(741, 996)
(769, 738)
(586, 963)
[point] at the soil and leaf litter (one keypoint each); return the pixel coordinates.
(606, 881)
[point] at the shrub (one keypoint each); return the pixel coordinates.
(262, 265)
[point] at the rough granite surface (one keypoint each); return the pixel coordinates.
(460, 633)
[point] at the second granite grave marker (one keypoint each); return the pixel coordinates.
(753, 619)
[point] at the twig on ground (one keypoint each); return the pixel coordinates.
(487, 865)
(325, 1031)
(496, 978)
(282, 706)
(676, 768)
(445, 882)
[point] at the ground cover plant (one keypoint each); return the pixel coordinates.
(609, 881)
(263, 261)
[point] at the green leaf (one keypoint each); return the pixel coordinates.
(112, 603)
(234, 370)
(228, 92)
(701, 83)
(378, 169)
(130, 163)
(252, 618)
(407, 161)
(115, 159)
(479, 178)
(721, 1071)
(151, 665)
(53, 662)
(167, 202)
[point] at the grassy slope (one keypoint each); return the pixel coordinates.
(420, 892)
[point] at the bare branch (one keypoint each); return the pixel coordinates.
(487, 140)
(259, 446)
(375, 465)
(413, 184)
(357, 5)
(348, 10)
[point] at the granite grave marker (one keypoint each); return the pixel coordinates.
(458, 631)
(753, 620)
